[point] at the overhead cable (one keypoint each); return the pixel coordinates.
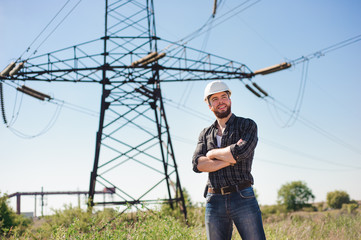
(207, 118)
(214, 21)
(291, 112)
(331, 48)
(234, 9)
(303, 167)
(55, 28)
(301, 91)
(33, 93)
(36, 38)
(186, 92)
(280, 106)
(50, 124)
(303, 154)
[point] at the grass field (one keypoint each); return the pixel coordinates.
(74, 223)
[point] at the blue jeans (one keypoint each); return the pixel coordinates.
(240, 208)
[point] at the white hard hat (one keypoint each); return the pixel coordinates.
(215, 87)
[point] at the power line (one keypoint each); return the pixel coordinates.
(185, 109)
(280, 106)
(299, 153)
(234, 9)
(280, 146)
(331, 48)
(294, 113)
(298, 104)
(22, 134)
(36, 38)
(50, 124)
(214, 21)
(193, 113)
(270, 143)
(306, 122)
(75, 107)
(55, 28)
(323, 51)
(302, 167)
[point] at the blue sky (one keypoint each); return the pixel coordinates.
(320, 146)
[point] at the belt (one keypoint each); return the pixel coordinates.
(229, 189)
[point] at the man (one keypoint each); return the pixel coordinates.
(225, 150)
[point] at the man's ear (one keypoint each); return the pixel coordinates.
(211, 107)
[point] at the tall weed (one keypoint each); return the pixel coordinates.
(166, 223)
(316, 226)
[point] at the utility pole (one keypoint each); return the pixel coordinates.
(42, 201)
(134, 152)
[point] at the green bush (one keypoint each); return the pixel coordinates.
(349, 207)
(321, 206)
(309, 208)
(272, 213)
(10, 222)
(337, 198)
(273, 209)
(73, 223)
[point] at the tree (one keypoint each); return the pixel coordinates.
(337, 198)
(7, 215)
(295, 195)
(8, 218)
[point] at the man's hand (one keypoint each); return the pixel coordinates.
(211, 154)
(206, 164)
(221, 154)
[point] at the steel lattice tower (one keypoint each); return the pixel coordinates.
(131, 62)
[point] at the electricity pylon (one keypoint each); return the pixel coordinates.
(131, 62)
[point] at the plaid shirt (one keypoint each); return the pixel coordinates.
(236, 128)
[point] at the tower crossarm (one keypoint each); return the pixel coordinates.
(83, 63)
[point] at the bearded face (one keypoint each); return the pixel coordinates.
(220, 104)
(223, 114)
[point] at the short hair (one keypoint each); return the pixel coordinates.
(209, 103)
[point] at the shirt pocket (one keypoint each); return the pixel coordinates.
(210, 142)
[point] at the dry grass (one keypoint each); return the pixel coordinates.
(165, 224)
(315, 225)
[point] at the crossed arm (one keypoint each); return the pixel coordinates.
(216, 159)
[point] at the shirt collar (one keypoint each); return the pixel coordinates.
(230, 121)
